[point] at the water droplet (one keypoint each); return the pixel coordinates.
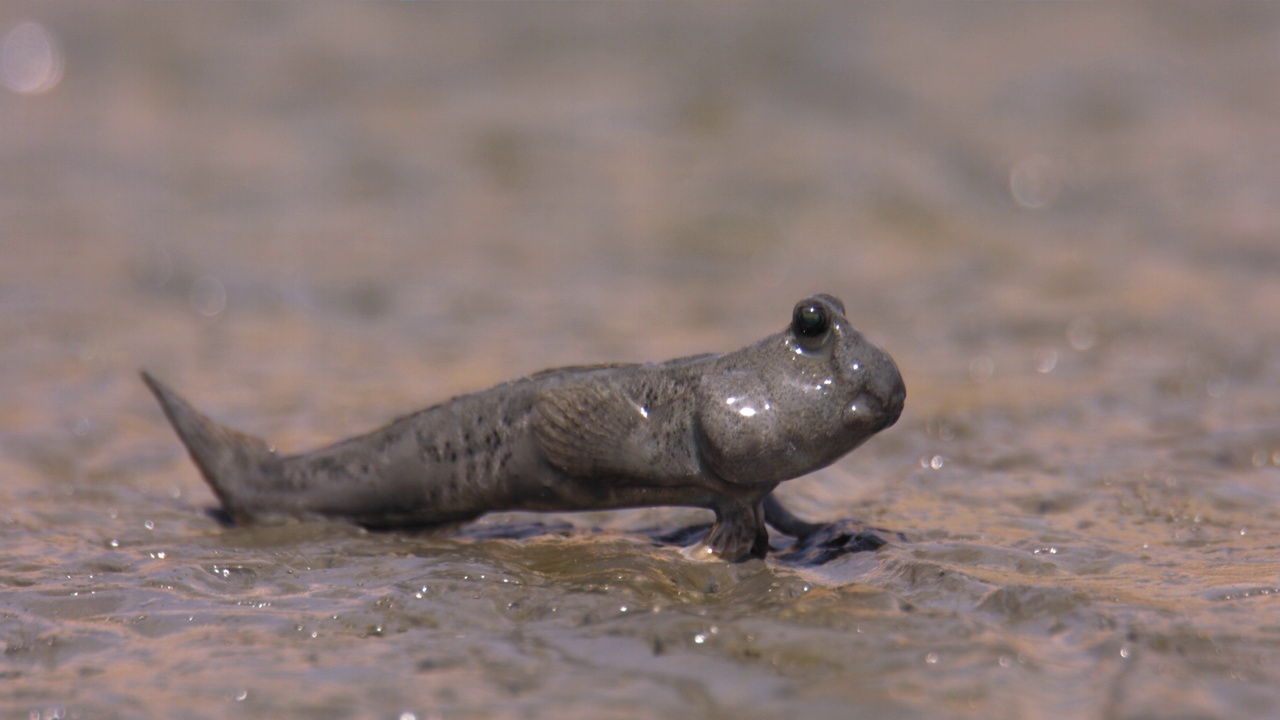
(30, 59)
(931, 658)
(1082, 333)
(981, 368)
(154, 266)
(81, 426)
(149, 525)
(944, 430)
(1035, 181)
(209, 296)
(1046, 359)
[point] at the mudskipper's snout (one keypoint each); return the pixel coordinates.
(878, 384)
(889, 392)
(896, 398)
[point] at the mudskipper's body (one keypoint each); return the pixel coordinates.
(710, 431)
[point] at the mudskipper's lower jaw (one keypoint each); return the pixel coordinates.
(874, 414)
(887, 407)
(893, 408)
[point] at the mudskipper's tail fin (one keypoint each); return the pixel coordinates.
(230, 461)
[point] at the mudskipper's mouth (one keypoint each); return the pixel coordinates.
(892, 406)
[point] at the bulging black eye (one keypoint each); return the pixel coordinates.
(810, 320)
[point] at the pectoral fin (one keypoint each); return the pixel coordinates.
(595, 429)
(583, 428)
(739, 533)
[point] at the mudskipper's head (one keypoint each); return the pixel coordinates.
(798, 400)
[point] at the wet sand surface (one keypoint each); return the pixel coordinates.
(1063, 222)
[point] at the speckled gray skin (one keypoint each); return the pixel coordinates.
(710, 431)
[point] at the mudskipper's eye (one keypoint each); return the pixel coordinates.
(810, 322)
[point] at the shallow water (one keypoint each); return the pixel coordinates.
(1061, 221)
